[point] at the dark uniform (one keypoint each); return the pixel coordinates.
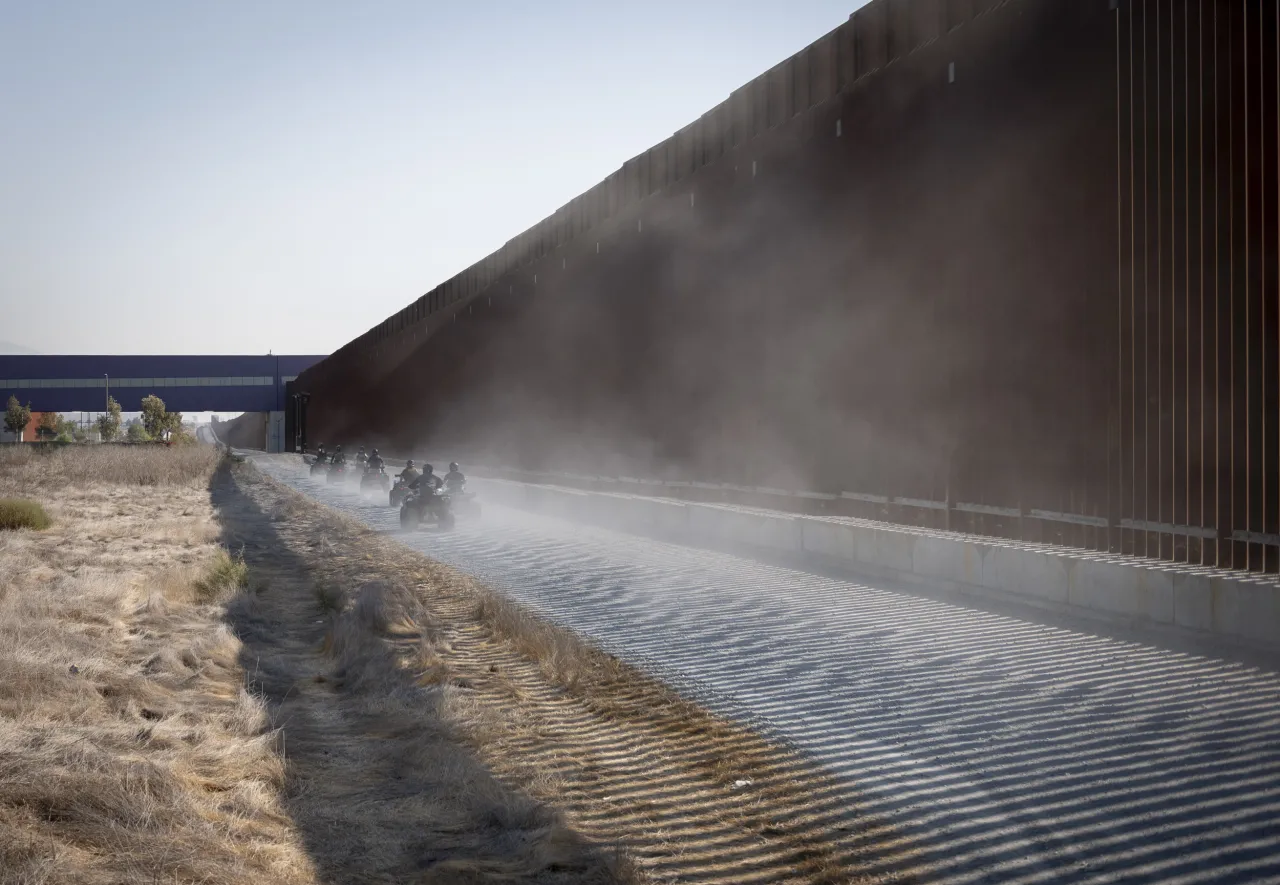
(428, 482)
(454, 480)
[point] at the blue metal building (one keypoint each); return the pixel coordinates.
(185, 383)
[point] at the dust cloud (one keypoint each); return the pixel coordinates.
(891, 312)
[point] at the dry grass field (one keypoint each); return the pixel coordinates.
(130, 749)
(205, 677)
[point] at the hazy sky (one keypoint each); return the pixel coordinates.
(238, 177)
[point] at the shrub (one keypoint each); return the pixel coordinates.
(226, 574)
(19, 513)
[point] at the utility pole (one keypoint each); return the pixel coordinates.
(106, 379)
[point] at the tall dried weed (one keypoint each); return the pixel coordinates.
(152, 466)
(129, 749)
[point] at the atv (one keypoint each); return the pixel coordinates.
(374, 478)
(338, 471)
(422, 506)
(319, 466)
(398, 493)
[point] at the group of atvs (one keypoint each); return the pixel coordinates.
(422, 496)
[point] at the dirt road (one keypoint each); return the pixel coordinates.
(622, 762)
(1009, 750)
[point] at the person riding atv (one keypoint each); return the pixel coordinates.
(361, 457)
(428, 499)
(317, 465)
(337, 465)
(403, 479)
(428, 481)
(454, 481)
(455, 484)
(374, 475)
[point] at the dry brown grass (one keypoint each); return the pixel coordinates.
(112, 465)
(630, 762)
(130, 750)
(563, 658)
(142, 739)
(384, 780)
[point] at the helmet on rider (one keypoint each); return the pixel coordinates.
(453, 466)
(408, 463)
(426, 468)
(362, 448)
(374, 452)
(337, 448)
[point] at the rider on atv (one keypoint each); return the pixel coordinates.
(454, 481)
(361, 457)
(426, 483)
(403, 478)
(375, 461)
(426, 502)
(338, 456)
(320, 453)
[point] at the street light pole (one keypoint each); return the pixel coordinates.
(106, 379)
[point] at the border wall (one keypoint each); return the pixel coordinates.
(1021, 254)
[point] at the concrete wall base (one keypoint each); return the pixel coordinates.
(1172, 599)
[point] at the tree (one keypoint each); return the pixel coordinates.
(157, 421)
(154, 417)
(109, 423)
(138, 434)
(173, 423)
(66, 428)
(17, 417)
(47, 429)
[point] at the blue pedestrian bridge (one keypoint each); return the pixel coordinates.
(185, 383)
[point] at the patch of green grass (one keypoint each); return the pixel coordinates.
(226, 574)
(19, 513)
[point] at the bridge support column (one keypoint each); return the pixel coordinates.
(275, 432)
